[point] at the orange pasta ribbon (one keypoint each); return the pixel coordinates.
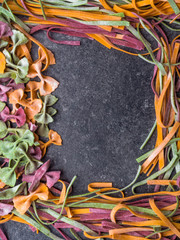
(104, 187)
(119, 237)
(161, 182)
(164, 218)
(119, 232)
(6, 218)
(120, 206)
(62, 195)
(159, 101)
(160, 147)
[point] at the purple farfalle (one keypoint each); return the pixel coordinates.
(19, 116)
(14, 85)
(50, 177)
(39, 173)
(3, 91)
(5, 208)
(5, 30)
(35, 152)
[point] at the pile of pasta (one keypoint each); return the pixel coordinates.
(32, 194)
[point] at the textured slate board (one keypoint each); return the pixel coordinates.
(105, 111)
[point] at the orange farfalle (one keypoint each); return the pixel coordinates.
(15, 98)
(36, 42)
(24, 51)
(32, 87)
(2, 63)
(54, 138)
(31, 108)
(42, 57)
(47, 84)
(22, 203)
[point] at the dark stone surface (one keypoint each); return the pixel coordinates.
(105, 111)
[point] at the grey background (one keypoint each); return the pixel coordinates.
(105, 111)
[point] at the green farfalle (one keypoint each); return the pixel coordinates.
(31, 165)
(18, 38)
(49, 100)
(9, 145)
(15, 148)
(17, 70)
(8, 176)
(43, 130)
(45, 116)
